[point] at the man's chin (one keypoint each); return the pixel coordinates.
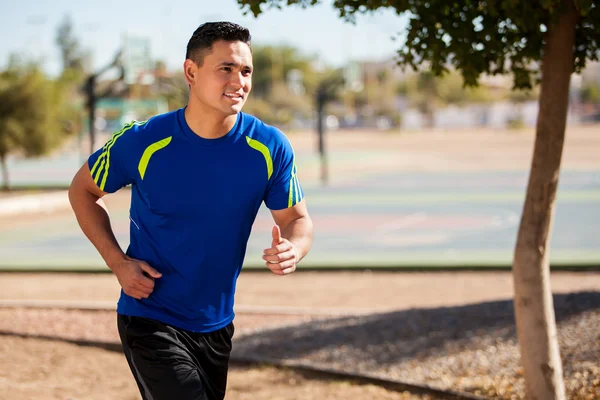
(231, 109)
(235, 109)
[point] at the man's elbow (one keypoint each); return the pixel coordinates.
(308, 228)
(73, 191)
(309, 224)
(305, 221)
(76, 189)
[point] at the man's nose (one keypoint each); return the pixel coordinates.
(238, 80)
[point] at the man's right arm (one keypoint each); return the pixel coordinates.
(86, 200)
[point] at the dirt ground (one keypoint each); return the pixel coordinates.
(36, 368)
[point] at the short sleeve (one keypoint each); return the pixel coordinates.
(109, 164)
(285, 190)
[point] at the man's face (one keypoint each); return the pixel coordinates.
(224, 80)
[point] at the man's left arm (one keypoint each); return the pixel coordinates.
(291, 239)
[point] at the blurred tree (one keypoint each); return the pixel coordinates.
(427, 87)
(402, 88)
(272, 65)
(451, 90)
(551, 39)
(283, 83)
(521, 96)
(287, 103)
(358, 100)
(386, 99)
(427, 92)
(328, 90)
(265, 60)
(69, 83)
(260, 108)
(172, 87)
(369, 93)
(590, 93)
(71, 54)
(33, 120)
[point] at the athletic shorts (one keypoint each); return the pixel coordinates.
(171, 363)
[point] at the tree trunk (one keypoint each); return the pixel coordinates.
(534, 308)
(5, 182)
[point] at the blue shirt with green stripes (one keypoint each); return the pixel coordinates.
(193, 203)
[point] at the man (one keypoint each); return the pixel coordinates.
(198, 176)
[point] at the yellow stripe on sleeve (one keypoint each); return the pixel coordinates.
(291, 190)
(99, 171)
(100, 158)
(105, 156)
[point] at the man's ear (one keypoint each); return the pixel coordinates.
(189, 71)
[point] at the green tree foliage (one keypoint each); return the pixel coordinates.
(476, 37)
(33, 119)
(521, 96)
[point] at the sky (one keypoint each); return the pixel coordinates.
(29, 28)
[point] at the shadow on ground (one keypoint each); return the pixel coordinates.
(395, 337)
(399, 335)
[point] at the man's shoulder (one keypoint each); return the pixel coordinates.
(256, 129)
(143, 131)
(160, 121)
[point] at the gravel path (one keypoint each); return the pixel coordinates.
(464, 346)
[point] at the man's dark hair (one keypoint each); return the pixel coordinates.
(203, 38)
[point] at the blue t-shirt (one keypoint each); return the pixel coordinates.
(193, 203)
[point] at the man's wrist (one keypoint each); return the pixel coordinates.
(114, 261)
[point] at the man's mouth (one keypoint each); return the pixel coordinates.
(233, 96)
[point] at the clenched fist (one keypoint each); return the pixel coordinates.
(281, 257)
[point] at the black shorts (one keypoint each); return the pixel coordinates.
(171, 363)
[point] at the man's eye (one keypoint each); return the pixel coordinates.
(226, 69)
(247, 72)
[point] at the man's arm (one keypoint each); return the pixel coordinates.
(86, 200)
(292, 238)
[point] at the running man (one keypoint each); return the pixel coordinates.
(198, 176)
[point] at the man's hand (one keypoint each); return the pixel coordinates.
(282, 257)
(136, 277)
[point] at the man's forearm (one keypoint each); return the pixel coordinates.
(94, 221)
(300, 233)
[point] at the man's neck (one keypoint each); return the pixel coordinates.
(208, 124)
